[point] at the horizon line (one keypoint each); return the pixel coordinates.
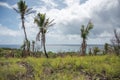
(55, 44)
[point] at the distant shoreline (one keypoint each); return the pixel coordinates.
(54, 44)
(56, 47)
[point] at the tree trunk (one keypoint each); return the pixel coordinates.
(43, 36)
(83, 47)
(23, 26)
(33, 46)
(24, 53)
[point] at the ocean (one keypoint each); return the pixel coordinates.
(58, 47)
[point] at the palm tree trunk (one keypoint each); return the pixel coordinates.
(83, 47)
(33, 46)
(23, 26)
(43, 36)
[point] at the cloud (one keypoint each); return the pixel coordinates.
(4, 4)
(103, 13)
(92, 9)
(9, 32)
(49, 3)
(10, 36)
(70, 3)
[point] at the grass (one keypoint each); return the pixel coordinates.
(67, 68)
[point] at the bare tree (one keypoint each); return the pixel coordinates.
(116, 42)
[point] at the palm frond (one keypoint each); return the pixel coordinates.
(16, 10)
(46, 22)
(89, 27)
(51, 23)
(42, 23)
(29, 11)
(22, 7)
(36, 20)
(42, 19)
(82, 28)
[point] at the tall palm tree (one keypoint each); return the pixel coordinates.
(23, 10)
(43, 25)
(84, 35)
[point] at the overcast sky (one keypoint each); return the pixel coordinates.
(69, 15)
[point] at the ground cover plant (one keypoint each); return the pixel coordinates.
(105, 67)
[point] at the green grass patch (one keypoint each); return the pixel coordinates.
(67, 68)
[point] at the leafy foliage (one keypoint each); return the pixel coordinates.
(23, 9)
(85, 31)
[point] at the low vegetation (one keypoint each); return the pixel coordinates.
(61, 68)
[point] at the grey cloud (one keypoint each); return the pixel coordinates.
(105, 19)
(73, 27)
(82, 1)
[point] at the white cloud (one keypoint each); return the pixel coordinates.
(105, 35)
(70, 3)
(10, 36)
(9, 32)
(104, 14)
(5, 5)
(49, 3)
(14, 6)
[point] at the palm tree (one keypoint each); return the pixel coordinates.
(43, 25)
(84, 35)
(23, 10)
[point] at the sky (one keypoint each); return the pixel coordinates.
(69, 16)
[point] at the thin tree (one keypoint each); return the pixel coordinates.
(106, 47)
(33, 46)
(23, 10)
(84, 35)
(90, 51)
(43, 25)
(116, 42)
